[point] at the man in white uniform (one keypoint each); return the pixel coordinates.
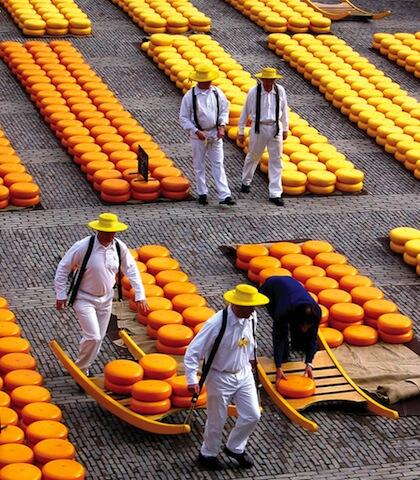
(95, 292)
(266, 104)
(204, 114)
(230, 376)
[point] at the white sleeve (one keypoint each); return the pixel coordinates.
(284, 112)
(129, 268)
(200, 347)
(224, 108)
(185, 113)
(71, 259)
(246, 110)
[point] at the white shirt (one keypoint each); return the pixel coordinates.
(235, 350)
(206, 110)
(99, 277)
(268, 108)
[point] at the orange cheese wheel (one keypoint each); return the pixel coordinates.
(241, 264)
(346, 312)
(376, 308)
(394, 323)
(36, 411)
(158, 366)
(294, 260)
(157, 264)
(3, 303)
(176, 196)
(53, 449)
(155, 303)
(329, 258)
(296, 386)
(325, 314)
(115, 198)
(180, 387)
(337, 271)
(150, 408)
(175, 335)
(198, 327)
(256, 264)
(317, 284)
(12, 434)
(246, 252)
(8, 416)
(361, 295)
(115, 186)
(147, 278)
(361, 335)
(342, 325)
(158, 318)
(254, 277)
(117, 388)
(305, 272)
(25, 394)
(151, 332)
(313, 247)
(402, 338)
(176, 288)
(330, 296)
(273, 272)
(348, 282)
(4, 193)
(12, 178)
(9, 329)
(280, 249)
(195, 315)
(185, 300)
(25, 202)
(170, 350)
(140, 186)
(15, 453)
(63, 469)
(4, 399)
(175, 184)
(333, 337)
(146, 252)
(43, 429)
(168, 276)
(22, 471)
(14, 345)
(153, 291)
(17, 378)
(7, 315)
(15, 361)
(151, 390)
(123, 372)
(185, 401)
(145, 197)
(162, 172)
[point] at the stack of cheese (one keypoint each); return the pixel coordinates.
(121, 375)
(406, 241)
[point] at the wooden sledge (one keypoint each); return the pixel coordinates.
(345, 9)
(332, 385)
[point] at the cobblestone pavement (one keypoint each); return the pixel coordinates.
(348, 446)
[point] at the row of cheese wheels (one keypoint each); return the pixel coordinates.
(402, 48)
(310, 162)
(177, 311)
(281, 16)
(152, 383)
(360, 90)
(33, 439)
(91, 123)
(37, 18)
(160, 16)
(406, 242)
(345, 297)
(16, 185)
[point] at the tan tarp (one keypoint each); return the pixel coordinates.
(390, 371)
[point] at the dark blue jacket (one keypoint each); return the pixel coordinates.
(285, 293)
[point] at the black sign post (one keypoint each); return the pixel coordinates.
(143, 164)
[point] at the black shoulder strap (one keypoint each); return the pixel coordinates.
(194, 106)
(258, 109)
(276, 89)
(217, 107)
(75, 285)
(119, 280)
(207, 364)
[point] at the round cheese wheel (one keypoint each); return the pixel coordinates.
(329, 258)
(394, 323)
(401, 235)
(7, 315)
(63, 469)
(153, 291)
(317, 284)
(150, 408)
(151, 390)
(15, 361)
(176, 288)
(12, 434)
(123, 372)
(158, 318)
(193, 316)
(146, 252)
(331, 296)
(43, 429)
(53, 449)
(9, 329)
(185, 401)
(296, 386)
(402, 338)
(168, 276)
(259, 263)
(313, 247)
(23, 471)
(170, 350)
(333, 337)
(175, 335)
(361, 335)
(17, 378)
(25, 394)
(348, 282)
(158, 264)
(305, 272)
(180, 386)
(158, 366)
(36, 411)
(280, 249)
(247, 252)
(347, 312)
(8, 416)
(361, 295)
(15, 453)
(293, 260)
(185, 300)
(337, 271)
(376, 308)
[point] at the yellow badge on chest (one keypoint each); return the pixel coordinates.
(243, 342)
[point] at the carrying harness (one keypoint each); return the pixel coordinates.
(258, 108)
(78, 274)
(194, 106)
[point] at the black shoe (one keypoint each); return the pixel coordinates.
(202, 200)
(277, 201)
(244, 460)
(245, 188)
(227, 201)
(209, 463)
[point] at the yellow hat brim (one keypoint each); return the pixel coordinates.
(271, 77)
(117, 226)
(258, 300)
(210, 76)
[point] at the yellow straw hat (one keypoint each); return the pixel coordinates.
(204, 73)
(269, 73)
(245, 295)
(108, 222)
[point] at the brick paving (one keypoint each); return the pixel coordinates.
(348, 446)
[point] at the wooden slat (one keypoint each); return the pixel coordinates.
(324, 389)
(320, 382)
(302, 403)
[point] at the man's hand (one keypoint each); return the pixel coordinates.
(285, 134)
(221, 132)
(200, 135)
(308, 371)
(142, 307)
(241, 139)
(280, 374)
(194, 389)
(60, 304)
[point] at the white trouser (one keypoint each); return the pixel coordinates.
(257, 143)
(222, 389)
(93, 314)
(215, 154)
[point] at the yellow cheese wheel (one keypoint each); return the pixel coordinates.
(36, 411)
(152, 291)
(158, 366)
(25, 394)
(360, 335)
(63, 469)
(17, 378)
(185, 300)
(15, 453)
(146, 252)
(361, 295)
(294, 260)
(347, 312)
(348, 282)
(7, 315)
(331, 296)
(151, 390)
(333, 337)
(401, 235)
(394, 323)
(247, 252)
(123, 372)
(53, 449)
(185, 401)
(280, 249)
(296, 386)
(168, 276)
(175, 335)
(3, 304)
(157, 264)
(412, 247)
(150, 408)
(12, 434)
(147, 278)
(9, 329)
(342, 325)
(337, 271)
(376, 308)
(159, 318)
(317, 284)
(15, 361)
(329, 258)
(176, 288)
(402, 338)
(193, 316)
